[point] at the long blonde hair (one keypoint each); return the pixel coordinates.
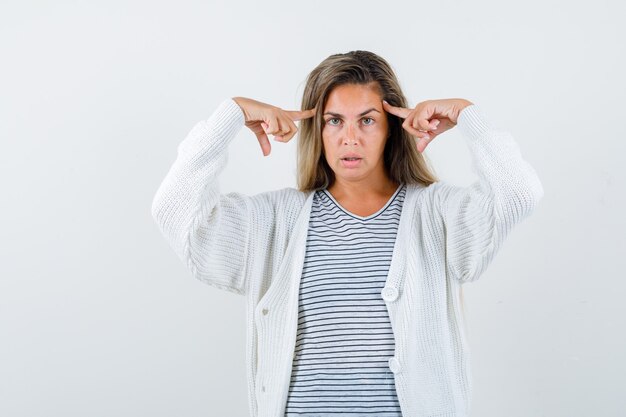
(403, 163)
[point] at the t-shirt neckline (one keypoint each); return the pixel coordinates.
(383, 208)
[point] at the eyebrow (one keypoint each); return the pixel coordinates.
(341, 115)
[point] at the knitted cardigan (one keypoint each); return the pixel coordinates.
(255, 245)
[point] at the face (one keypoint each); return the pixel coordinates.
(355, 124)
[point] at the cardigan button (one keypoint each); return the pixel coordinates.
(264, 311)
(389, 293)
(394, 365)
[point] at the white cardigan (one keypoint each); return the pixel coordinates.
(255, 245)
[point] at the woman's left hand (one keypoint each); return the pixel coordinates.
(429, 118)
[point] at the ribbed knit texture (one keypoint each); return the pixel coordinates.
(255, 246)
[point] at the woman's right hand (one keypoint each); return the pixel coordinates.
(264, 119)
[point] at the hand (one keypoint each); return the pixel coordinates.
(264, 119)
(428, 116)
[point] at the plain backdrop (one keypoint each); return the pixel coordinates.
(99, 318)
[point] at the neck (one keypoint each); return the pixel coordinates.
(362, 188)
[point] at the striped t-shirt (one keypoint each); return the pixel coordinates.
(344, 338)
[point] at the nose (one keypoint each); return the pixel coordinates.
(350, 135)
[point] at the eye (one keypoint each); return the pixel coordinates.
(328, 121)
(369, 118)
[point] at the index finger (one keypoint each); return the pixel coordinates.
(396, 111)
(300, 114)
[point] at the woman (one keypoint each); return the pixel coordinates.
(352, 280)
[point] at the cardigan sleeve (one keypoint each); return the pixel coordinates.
(478, 217)
(208, 231)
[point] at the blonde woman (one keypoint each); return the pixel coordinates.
(353, 279)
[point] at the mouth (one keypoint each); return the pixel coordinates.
(350, 162)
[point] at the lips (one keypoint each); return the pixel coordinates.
(350, 163)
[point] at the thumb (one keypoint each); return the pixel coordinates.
(396, 111)
(300, 114)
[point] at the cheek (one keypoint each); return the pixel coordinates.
(327, 147)
(328, 134)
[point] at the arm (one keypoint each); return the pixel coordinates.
(208, 231)
(477, 218)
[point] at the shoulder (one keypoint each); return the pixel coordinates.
(427, 192)
(432, 195)
(283, 201)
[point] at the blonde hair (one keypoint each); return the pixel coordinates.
(403, 163)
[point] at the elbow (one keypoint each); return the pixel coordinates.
(521, 201)
(534, 193)
(153, 209)
(156, 207)
(539, 192)
(155, 213)
(534, 189)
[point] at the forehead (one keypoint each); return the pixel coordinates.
(352, 99)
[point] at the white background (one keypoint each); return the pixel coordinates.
(99, 318)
